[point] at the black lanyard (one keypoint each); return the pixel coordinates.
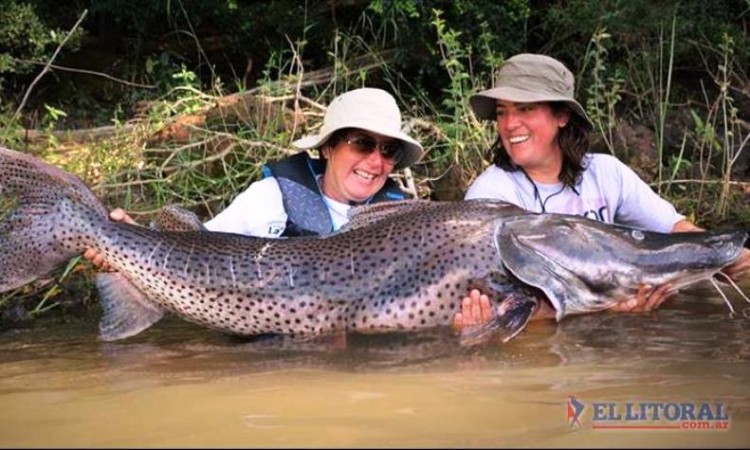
(538, 196)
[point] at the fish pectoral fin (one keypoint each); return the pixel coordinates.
(126, 311)
(510, 317)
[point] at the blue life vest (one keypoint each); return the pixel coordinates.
(307, 213)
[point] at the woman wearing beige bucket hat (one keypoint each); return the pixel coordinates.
(360, 144)
(541, 162)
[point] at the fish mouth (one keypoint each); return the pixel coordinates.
(583, 265)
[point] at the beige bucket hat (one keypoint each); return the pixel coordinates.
(367, 109)
(526, 78)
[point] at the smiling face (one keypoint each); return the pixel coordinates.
(356, 168)
(529, 134)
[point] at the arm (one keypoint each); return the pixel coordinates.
(741, 267)
(685, 225)
(258, 211)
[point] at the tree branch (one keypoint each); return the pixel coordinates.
(48, 65)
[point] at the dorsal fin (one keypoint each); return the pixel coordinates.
(360, 216)
(176, 218)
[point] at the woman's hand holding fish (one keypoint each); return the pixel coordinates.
(476, 309)
(96, 258)
(647, 299)
(741, 267)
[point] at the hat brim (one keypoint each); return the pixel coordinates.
(412, 152)
(484, 103)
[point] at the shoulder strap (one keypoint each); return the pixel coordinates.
(303, 202)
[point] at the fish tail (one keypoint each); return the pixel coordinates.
(44, 211)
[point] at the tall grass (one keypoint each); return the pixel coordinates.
(695, 167)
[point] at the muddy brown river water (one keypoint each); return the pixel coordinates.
(178, 385)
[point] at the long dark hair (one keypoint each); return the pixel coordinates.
(573, 140)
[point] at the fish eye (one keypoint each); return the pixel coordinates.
(637, 235)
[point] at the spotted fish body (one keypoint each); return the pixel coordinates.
(396, 266)
(407, 272)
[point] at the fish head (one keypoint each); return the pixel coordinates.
(583, 265)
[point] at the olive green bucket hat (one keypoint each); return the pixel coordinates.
(527, 78)
(368, 109)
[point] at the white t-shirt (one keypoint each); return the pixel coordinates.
(609, 191)
(259, 211)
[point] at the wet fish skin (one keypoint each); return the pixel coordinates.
(400, 266)
(310, 286)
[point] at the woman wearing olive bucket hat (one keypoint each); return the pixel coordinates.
(541, 162)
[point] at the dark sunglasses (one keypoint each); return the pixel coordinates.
(365, 145)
